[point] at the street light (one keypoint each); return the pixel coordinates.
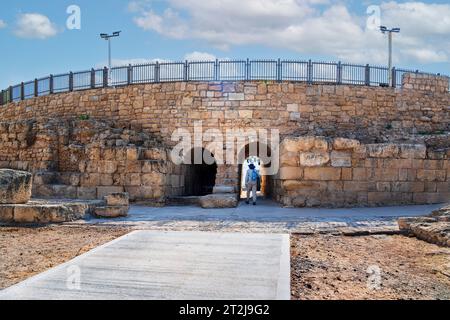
(384, 29)
(108, 37)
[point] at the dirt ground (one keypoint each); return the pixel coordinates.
(338, 267)
(25, 252)
(323, 266)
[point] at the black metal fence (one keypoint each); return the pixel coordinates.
(219, 70)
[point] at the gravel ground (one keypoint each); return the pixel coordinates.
(26, 252)
(336, 267)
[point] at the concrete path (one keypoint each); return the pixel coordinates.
(267, 216)
(178, 265)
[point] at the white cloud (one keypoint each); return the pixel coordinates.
(34, 26)
(199, 56)
(2, 24)
(320, 27)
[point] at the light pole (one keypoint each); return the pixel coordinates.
(390, 32)
(108, 37)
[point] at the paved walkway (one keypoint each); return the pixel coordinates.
(176, 265)
(266, 217)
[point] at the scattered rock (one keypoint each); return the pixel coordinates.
(118, 199)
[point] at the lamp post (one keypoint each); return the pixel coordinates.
(108, 37)
(384, 29)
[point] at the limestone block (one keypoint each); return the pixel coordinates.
(289, 159)
(314, 159)
(117, 199)
(291, 173)
(341, 159)
(345, 144)
(383, 150)
(219, 200)
(322, 174)
(111, 211)
(15, 186)
(6, 213)
(104, 191)
(87, 193)
(413, 151)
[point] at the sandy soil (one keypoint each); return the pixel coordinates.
(336, 267)
(25, 252)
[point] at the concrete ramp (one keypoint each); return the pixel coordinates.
(148, 265)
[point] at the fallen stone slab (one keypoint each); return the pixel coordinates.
(150, 265)
(15, 186)
(219, 200)
(46, 211)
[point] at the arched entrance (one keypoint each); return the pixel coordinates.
(200, 175)
(259, 155)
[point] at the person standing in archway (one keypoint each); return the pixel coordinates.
(251, 182)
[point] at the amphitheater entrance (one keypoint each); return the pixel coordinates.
(258, 155)
(200, 173)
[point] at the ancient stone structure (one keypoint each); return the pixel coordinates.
(342, 145)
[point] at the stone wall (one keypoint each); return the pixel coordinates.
(318, 171)
(365, 113)
(89, 159)
(125, 144)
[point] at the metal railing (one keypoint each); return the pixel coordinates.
(219, 70)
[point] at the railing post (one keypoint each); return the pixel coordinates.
(339, 73)
(279, 71)
(92, 78)
(310, 72)
(105, 77)
(50, 84)
(36, 88)
(157, 72)
(247, 70)
(367, 76)
(186, 71)
(70, 81)
(394, 77)
(216, 70)
(130, 74)
(22, 91)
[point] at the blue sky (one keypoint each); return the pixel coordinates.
(35, 40)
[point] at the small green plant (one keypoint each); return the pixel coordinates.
(389, 127)
(84, 117)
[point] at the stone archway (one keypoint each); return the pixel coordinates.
(200, 176)
(257, 152)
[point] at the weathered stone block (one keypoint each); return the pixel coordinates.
(111, 211)
(341, 159)
(104, 191)
(384, 150)
(314, 159)
(224, 189)
(87, 193)
(345, 144)
(322, 174)
(15, 186)
(6, 213)
(291, 173)
(224, 200)
(413, 151)
(117, 199)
